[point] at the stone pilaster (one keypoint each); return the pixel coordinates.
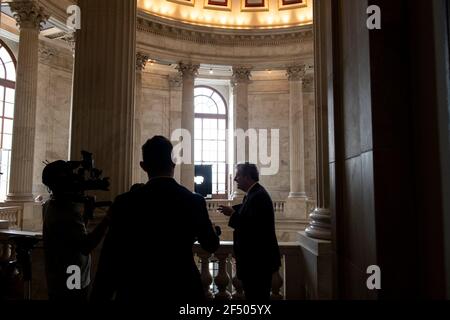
(141, 62)
(104, 89)
(188, 72)
(29, 16)
(240, 81)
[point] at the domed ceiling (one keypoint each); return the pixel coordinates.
(233, 14)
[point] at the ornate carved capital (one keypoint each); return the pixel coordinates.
(141, 61)
(296, 73)
(241, 75)
(188, 69)
(28, 14)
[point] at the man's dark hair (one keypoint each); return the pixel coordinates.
(248, 170)
(157, 155)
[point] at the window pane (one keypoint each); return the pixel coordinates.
(4, 55)
(221, 168)
(8, 126)
(197, 150)
(1, 109)
(210, 123)
(222, 124)
(2, 71)
(2, 92)
(9, 110)
(198, 129)
(9, 96)
(10, 71)
(203, 91)
(221, 188)
(7, 141)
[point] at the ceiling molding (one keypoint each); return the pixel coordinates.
(221, 37)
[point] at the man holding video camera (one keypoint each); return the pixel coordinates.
(147, 253)
(67, 244)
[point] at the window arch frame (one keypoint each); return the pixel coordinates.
(218, 117)
(7, 84)
(4, 82)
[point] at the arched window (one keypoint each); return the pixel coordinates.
(210, 136)
(7, 91)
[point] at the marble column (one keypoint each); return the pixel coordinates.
(104, 89)
(296, 132)
(141, 61)
(296, 204)
(240, 81)
(29, 18)
(320, 219)
(188, 72)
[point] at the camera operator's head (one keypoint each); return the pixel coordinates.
(59, 178)
(157, 156)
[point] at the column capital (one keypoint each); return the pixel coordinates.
(296, 72)
(188, 69)
(241, 74)
(28, 14)
(141, 61)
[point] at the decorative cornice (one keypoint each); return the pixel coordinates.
(141, 61)
(187, 69)
(241, 75)
(246, 38)
(296, 72)
(28, 14)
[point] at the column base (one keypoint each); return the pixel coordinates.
(320, 225)
(19, 198)
(300, 195)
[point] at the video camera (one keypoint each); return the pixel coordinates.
(75, 178)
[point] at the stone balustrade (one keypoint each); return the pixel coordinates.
(218, 273)
(212, 205)
(14, 215)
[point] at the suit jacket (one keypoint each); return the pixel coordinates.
(148, 248)
(255, 242)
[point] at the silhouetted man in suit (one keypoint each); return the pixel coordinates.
(147, 254)
(255, 243)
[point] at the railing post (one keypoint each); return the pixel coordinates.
(205, 274)
(237, 284)
(222, 279)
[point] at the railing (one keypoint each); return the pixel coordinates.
(222, 283)
(212, 205)
(14, 215)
